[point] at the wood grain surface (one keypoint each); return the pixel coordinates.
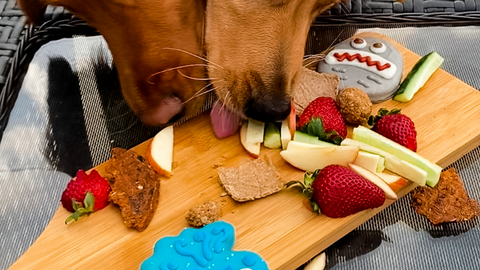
(280, 228)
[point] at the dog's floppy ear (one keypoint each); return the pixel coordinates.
(33, 9)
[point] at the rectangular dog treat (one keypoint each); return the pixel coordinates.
(252, 180)
(447, 202)
(312, 85)
(135, 187)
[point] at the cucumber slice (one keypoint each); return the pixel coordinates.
(392, 162)
(305, 138)
(418, 76)
(374, 139)
(271, 137)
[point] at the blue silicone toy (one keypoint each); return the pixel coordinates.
(208, 248)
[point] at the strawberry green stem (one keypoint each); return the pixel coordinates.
(88, 203)
(306, 187)
(373, 119)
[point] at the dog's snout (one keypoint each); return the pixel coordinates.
(269, 110)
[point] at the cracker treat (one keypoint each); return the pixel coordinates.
(253, 180)
(313, 85)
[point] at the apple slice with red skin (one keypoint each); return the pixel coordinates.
(292, 120)
(396, 182)
(370, 176)
(288, 127)
(160, 151)
(251, 136)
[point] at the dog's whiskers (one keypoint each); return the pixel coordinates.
(201, 92)
(135, 121)
(313, 59)
(119, 116)
(335, 40)
(315, 56)
(226, 99)
(198, 95)
(174, 68)
(193, 78)
(194, 55)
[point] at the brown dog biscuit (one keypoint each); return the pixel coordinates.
(447, 202)
(253, 180)
(203, 214)
(135, 187)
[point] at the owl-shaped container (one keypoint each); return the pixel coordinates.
(371, 64)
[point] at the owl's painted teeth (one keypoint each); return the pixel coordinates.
(362, 59)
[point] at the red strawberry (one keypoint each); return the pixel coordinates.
(85, 194)
(337, 191)
(322, 118)
(395, 126)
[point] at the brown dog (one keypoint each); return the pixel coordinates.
(254, 50)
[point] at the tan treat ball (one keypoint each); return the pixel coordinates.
(354, 105)
(203, 214)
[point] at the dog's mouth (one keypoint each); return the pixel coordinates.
(362, 59)
(168, 109)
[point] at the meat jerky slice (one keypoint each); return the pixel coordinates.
(447, 202)
(135, 187)
(253, 180)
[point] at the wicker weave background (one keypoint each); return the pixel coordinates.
(407, 6)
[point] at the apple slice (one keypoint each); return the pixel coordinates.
(285, 134)
(374, 139)
(292, 119)
(288, 127)
(380, 165)
(393, 163)
(308, 157)
(367, 160)
(160, 151)
(396, 182)
(251, 136)
(302, 146)
(370, 176)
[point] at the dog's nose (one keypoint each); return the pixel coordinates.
(269, 110)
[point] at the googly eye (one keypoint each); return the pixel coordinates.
(378, 47)
(358, 43)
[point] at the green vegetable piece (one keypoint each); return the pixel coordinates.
(418, 76)
(305, 138)
(272, 137)
(374, 139)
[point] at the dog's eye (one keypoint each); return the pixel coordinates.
(378, 47)
(358, 43)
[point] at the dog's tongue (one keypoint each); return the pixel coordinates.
(225, 122)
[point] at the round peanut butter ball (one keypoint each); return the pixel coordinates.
(355, 105)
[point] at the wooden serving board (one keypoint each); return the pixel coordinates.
(280, 228)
